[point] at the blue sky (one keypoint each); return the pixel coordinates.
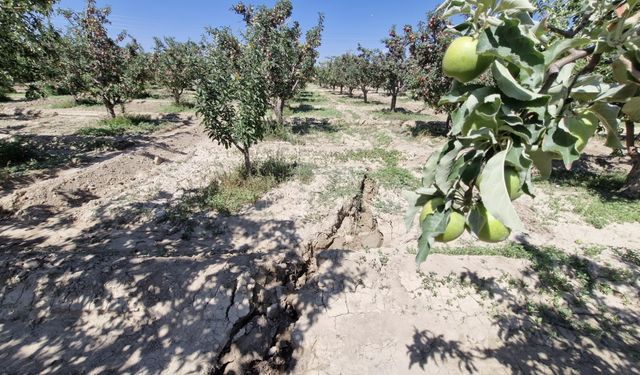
(348, 22)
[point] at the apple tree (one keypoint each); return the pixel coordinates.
(548, 99)
(289, 60)
(27, 41)
(427, 45)
(395, 63)
(115, 74)
(176, 65)
(232, 94)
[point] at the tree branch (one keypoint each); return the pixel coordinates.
(554, 69)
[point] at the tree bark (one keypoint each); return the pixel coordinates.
(340, 90)
(631, 187)
(110, 108)
(278, 108)
(364, 94)
(247, 162)
(630, 130)
(394, 100)
(176, 96)
(350, 91)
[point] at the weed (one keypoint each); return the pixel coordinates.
(593, 197)
(129, 124)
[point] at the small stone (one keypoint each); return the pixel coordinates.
(158, 160)
(31, 264)
(272, 351)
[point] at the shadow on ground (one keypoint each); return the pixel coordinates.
(131, 294)
(429, 128)
(573, 328)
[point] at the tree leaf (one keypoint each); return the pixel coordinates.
(509, 85)
(432, 226)
(562, 142)
(507, 43)
(561, 46)
(443, 170)
(512, 6)
(632, 109)
(416, 202)
(543, 161)
(608, 114)
(494, 192)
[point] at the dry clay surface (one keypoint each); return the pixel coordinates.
(96, 279)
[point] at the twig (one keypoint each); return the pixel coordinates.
(554, 69)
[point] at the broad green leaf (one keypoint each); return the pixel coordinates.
(429, 173)
(543, 161)
(507, 43)
(608, 115)
(632, 109)
(443, 170)
(561, 46)
(562, 142)
(416, 202)
(475, 98)
(494, 193)
(509, 85)
(512, 6)
(618, 93)
(432, 226)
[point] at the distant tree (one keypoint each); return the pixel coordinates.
(176, 65)
(26, 41)
(426, 47)
(115, 74)
(351, 71)
(288, 60)
(232, 94)
(395, 63)
(366, 70)
(73, 77)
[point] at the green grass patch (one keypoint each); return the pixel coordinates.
(129, 124)
(235, 190)
(311, 111)
(390, 175)
(593, 197)
(402, 115)
(179, 108)
(508, 250)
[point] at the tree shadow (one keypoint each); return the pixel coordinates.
(558, 319)
(306, 126)
(131, 294)
(605, 185)
(428, 128)
(427, 347)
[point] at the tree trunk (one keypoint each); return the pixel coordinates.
(340, 90)
(631, 187)
(364, 94)
(247, 162)
(350, 92)
(630, 130)
(278, 108)
(394, 99)
(448, 123)
(110, 108)
(122, 108)
(377, 90)
(176, 97)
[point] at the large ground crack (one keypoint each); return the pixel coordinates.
(261, 341)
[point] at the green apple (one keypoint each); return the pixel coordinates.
(493, 230)
(511, 181)
(430, 207)
(455, 228)
(462, 62)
